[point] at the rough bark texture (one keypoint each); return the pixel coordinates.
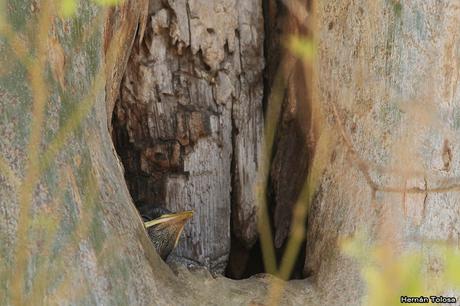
(119, 24)
(85, 243)
(189, 122)
(389, 71)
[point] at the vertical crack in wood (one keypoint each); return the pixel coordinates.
(425, 198)
(190, 106)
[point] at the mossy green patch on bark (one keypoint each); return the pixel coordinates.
(397, 8)
(97, 235)
(17, 102)
(18, 13)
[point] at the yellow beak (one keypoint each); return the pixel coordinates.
(172, 218)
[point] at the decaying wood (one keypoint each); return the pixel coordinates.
(119, 22)
(86, 243)
(189, 120)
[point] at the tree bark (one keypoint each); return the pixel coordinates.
(83, 241)
(390, 154)
(189, 120)
(388, 85)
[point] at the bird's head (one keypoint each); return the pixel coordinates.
(164, 228)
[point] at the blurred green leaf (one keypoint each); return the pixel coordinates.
(303, 47)
(68, 8)
(108, 2)
(376, 290)
(452, 268)
(356, 246)
(389, 275)
(408, 269)
(394, 277)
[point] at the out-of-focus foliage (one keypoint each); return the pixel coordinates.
(387, 275)
(452, 267)
(390, 275)
(303, 47)
(68, 8)
(45, 238)
(108, 2)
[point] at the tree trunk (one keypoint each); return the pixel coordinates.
(387, 83)
(189, 122)
(69, 231)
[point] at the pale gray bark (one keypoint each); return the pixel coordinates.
(191, 104)
(85, 243)
(388, 82)
(388, 72)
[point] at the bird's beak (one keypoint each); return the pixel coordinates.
(180, 217)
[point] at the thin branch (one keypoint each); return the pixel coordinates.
(362, 166)
(83, 107)
(297, 9)
(18, 46)
(26, 190)
(74, 121)
(87, 205)
(272, 116)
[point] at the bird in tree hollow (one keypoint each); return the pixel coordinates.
(164, 228)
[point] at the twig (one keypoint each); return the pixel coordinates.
(271, 119)
(297, 10)
(26, 190)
